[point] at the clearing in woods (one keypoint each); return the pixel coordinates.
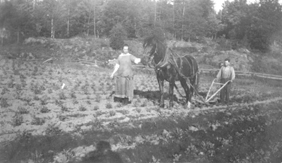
(41, 122)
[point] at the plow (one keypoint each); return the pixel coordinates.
(210, 97)
(212, 93)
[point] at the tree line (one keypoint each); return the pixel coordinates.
(254, 25)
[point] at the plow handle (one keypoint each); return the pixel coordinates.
(218, 90)
(210, 89)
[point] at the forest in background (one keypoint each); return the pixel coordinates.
(255, 25)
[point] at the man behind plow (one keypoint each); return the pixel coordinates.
(226, 74)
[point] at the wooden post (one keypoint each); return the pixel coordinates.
(68, 22)
(182, 26)
(52, 28)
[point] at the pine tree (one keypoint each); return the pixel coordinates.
(117, 36)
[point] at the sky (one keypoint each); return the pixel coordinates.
(218, 3)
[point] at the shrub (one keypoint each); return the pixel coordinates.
(96, 107)
(98, 98)
(62, 117)
(138, 110)
(64, 108)
(82, 108)
(117, 36)
(112, 113)
(4, 103)
(72, 94)
(37, 121)
(75, 101)
(17, 120)
(22, 110)
(36, 98)
(109, 106)
(50, 91)
(62, 96)
(44, 109)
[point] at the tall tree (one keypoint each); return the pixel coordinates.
(193, 18)
(254, 23)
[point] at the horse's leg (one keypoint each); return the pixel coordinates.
(191, 92)
(187, 90)
(171, 85)
(161, 86)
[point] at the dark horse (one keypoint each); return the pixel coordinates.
(172, 67)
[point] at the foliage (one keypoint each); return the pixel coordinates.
(254, 24)
(71, 17)
(117, 36)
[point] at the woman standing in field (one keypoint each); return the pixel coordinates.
(124, 75)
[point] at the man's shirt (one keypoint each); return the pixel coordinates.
(226, 73)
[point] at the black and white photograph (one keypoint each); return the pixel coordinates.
(140, 81)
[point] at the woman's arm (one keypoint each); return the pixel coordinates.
(115, 70)
(135, 59)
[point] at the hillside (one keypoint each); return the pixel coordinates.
(57, 111)
(208, 54)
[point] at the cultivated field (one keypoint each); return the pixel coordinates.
(57, 112)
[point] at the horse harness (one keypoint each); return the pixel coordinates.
(177, 68)
(173, 62)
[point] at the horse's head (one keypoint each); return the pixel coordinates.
(153, 49)
(149, 47)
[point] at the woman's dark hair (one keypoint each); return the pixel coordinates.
(227, 59)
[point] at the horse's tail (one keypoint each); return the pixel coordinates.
(197, 81)
(196, 74)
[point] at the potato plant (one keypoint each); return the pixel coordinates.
(83, 112)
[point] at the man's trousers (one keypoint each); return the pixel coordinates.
(224, 93)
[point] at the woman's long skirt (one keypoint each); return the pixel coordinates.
(124, 87)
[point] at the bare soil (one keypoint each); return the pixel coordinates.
(57, 113)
